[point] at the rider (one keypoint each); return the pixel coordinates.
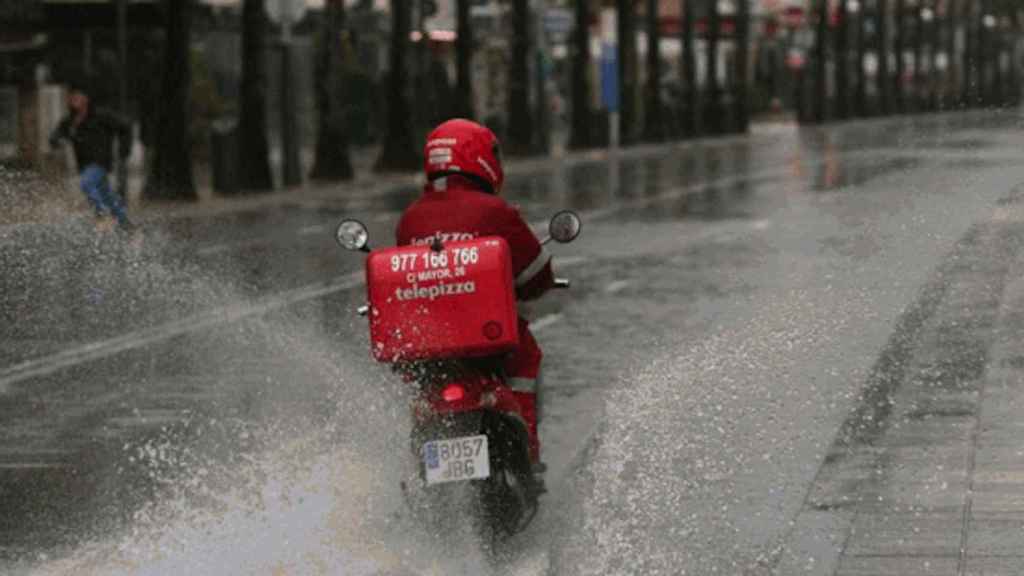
(461, 201)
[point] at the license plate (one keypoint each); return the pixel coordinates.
(456, 459)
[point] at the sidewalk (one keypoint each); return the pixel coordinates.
(928, 476)
(369, 184)
(60, 198)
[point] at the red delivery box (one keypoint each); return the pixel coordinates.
(455, 301)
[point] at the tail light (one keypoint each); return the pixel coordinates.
(453, 393)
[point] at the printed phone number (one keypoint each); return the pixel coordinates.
(433, 260)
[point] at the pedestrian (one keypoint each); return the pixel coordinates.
(92, 132)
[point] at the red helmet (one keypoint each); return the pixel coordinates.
(465, 148)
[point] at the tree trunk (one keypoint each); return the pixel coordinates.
(842, 71)
(332, 154)
(399, 152)
(883, 82)
(579, 136)
(933, 50)
(898, 48)
(627, 69)
(170, 171)
(713, 93)
(984, 52)
(519, 136)
(984, 55)
(996, 58)
(920, 79)
(1014, 80)
(689, 123)
(654, 130)
(949, 91)
(820, 61)
(742, 60)
(463, 60)
(967, 72)
(254, 161)
(860, 101)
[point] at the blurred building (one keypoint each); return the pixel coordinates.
(44, 42)
(22, 47)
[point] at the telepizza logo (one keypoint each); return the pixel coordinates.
(416, 292)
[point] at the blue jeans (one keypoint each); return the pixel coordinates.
(103, 199)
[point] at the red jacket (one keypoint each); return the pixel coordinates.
(452, 209)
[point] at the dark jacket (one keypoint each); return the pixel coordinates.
(93, 138)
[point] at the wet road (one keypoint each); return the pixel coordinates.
(720, 382)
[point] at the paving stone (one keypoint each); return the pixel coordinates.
(897, 566)
(994, 566)
(922, 486)
(950, 457)
(931, 432)
(920, 400)
(1001, 438)
(996, 536)
(894, 497)
(998, 498)
(994, 475)
(905, 535)
(908, 488)
(989, 458)
(926, 473)
(886, 479)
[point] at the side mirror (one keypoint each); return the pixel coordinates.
(564, 226)
(352, 235)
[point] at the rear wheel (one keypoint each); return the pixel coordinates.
(499, 506)
(508, 497)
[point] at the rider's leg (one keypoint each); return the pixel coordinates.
(523, 372)
(528, 407)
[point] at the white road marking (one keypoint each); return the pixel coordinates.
(214, 249)
(231, 246)
(31, 465)
(314, 229)
(569, 261)
(139, 338)
(150, 418)
(616, 286)
(545, 321)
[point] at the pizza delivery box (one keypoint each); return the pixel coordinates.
(443, 301)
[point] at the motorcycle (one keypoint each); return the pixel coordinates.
(443, 316)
